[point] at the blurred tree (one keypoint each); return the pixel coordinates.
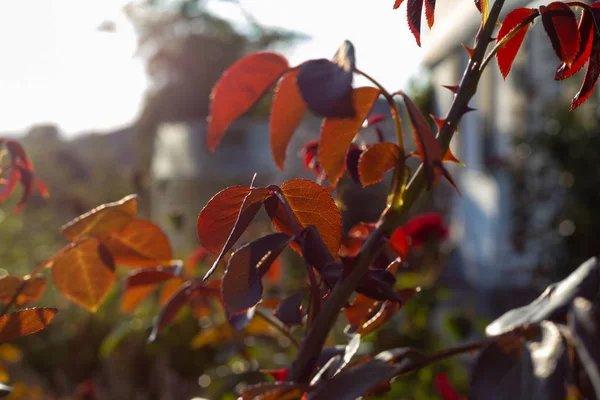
(186, 49)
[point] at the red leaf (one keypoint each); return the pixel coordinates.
(24, 322)
(226, 216)
(591, 77)
(593, 69)
(397, 4)
(429, 12)
(414, 10)
(241, 287)
(399, 243)
(337, 134)
(560, 24)
(587, 32)
(239, 88)
(289, 310)
(428, 148)
(326, 86)
(140, 284)
(187, 292)
(506, 55)
(278, 374)
(445, 388)
(310, 204)
(141, 243)
(286, 113)
(376, 161)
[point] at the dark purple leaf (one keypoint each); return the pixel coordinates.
(289, 311)
(241, 287)
(326, 86)
(554, 303)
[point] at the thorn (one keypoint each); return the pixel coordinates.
(469, 50)
(438, 121)
(468, 109)
(452, 88)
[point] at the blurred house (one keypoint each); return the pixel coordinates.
(501, 178)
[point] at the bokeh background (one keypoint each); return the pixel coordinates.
(110, 97)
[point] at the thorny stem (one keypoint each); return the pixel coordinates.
(277, 326)
(305, 362)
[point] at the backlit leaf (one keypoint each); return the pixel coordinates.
(241, 287)
(239, 88)
(560, 24)
(32, 291)
(286, 113)
(85, 273)
(212, 336)
(337, 134)
(593, 69)
(428, 148)
(506, 55)
(226, 216)
(554, 302)
(169, 289)
(587, 32)
(24, 322)
(311, 204)
(326, 86)
(375, 161)
(140, 243)
(102, 220)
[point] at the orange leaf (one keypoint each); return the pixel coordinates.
(286, 113)
(506, 55)
(376, 161)
(33, 290)
(337, 133)
(560, 24)
(24, 322)
(428, 148)
(102, 220)
(84, 273)
(311, 204)
(239, 88)
(139, 244)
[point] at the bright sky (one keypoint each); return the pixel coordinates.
(57, 67)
